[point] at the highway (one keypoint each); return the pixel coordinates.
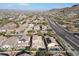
(70, 38)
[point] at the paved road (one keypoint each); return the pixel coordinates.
(70, 38)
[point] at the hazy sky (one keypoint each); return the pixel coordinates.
(34, 6)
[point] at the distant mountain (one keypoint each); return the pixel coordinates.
(75, 5)
(74, 8)
(68, 11)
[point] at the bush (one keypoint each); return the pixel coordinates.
(42, 53)
(31, 31)
(49, 33)
(25, 49)
(4, 21)
(33, 49)
(49, 29)
(7, 35)
(24, 22)
(42, 49)
(29, 34)
(16, 24)
(13, 32)
(2, 33)
(39, 33)
(44, 23)
(2, 50)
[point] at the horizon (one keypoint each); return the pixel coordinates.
(35, 6)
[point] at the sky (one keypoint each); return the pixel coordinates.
(34, 6)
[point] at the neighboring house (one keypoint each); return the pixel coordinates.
(2, 29)
(11, 43)
(44, 27)
(37, 27)
(54, 45)
(2, 40)
(20, 29)
(31, 25)
(8, 27)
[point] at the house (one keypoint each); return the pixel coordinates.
(37, 42)
(44, 27)
(24, 41)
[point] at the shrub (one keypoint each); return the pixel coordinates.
(31, 31)
(44, 23)
(39, 33)
(33, 49)
(49, 33)
(49, 29)
(24, 22)
(2, 33)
